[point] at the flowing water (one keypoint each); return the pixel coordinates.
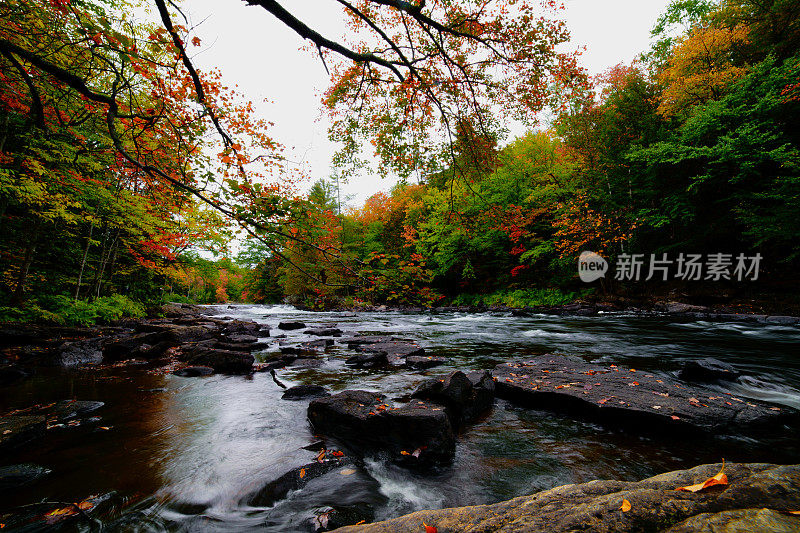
(183, 453)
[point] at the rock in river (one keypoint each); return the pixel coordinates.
(194, 371)
(708, 369)
(465, 395)
(758, 498)
(302, 392)
(625, 396)
(419, 433)
(421, 362)
(17, 430)
(288, 325)
(223, 361)
(14, 476)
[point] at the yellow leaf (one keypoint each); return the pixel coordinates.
(626, 506)
(719, 479)
(347, 472)
(794, 512)
(302, 473)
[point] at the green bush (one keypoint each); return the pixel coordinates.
(173, 298)
(64, 310)
(520, 298)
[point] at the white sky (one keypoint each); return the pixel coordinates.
(262, 57)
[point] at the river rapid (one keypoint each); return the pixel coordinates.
(182, 454)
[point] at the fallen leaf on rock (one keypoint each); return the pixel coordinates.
(302, 473)
(336, 453)
(604, 400)
(321, 456)
(626, 506)
(719, 479)
(430, 529)
(794, 512)
(656, 407)
(403, 452)
(362, 522)
(6, 432)
(347, 472)
(634, 383)
(675, 417)
(774, 408)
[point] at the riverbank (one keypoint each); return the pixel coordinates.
(434, 414)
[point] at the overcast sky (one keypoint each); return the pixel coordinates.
(263, 57)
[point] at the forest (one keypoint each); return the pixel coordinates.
(128, 177)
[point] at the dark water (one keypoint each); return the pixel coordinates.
(182, 453)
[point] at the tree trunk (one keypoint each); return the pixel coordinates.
(19, 291)
(83, 261)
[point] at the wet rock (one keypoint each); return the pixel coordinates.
(358, 340)
(418, 362)
(194, 371)
(655, 506)
(66, 410)
(739, 521)
(79, 353)
(15, 476)
(306, 362)
(240, 338)
(222, 361)
(465, 397)
(241, 327)
(786, 320)
(639, 400)
(370, 359)
(396, 351)
(708, 369)
(173, 310)
(304, 348)
(294, 479)
(417, 434)
(302, 392)
(182, 334)
(17, 430)
(291, 325)
(324, 332)
(131, 346)
(679, 308)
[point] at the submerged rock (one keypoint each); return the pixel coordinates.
(194, 371)
(79, 353)
(419, 433)
(624, 396)
(15, 476)
(302, 392)
(324, 332)
(419, 362)
(655, 506)
(17, 430)
(367, 360)
(395, 350)
(708, 369)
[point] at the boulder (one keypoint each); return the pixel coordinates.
(758, 496)
(289, 325)
(623, 396)
(67, 410)
(222, 361)
(708, 369)
(324, 332)
(241, 338)
(194, 371)
(304, 348)
(16, 476)
(416, 434)
(464, 396)
(303, 392)
(79, 353)
(421, 362)
(241, 327)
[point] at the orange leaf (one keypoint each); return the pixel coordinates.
(430, 529)
(403, 452)
(626, 506)
(302, 473)
(719, 479)
(794, 512)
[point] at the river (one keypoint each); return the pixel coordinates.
(183, 453)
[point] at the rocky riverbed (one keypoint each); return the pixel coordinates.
(416, 429)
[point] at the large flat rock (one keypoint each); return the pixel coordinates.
(624, 395)
(417, 433)
(655, 506)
